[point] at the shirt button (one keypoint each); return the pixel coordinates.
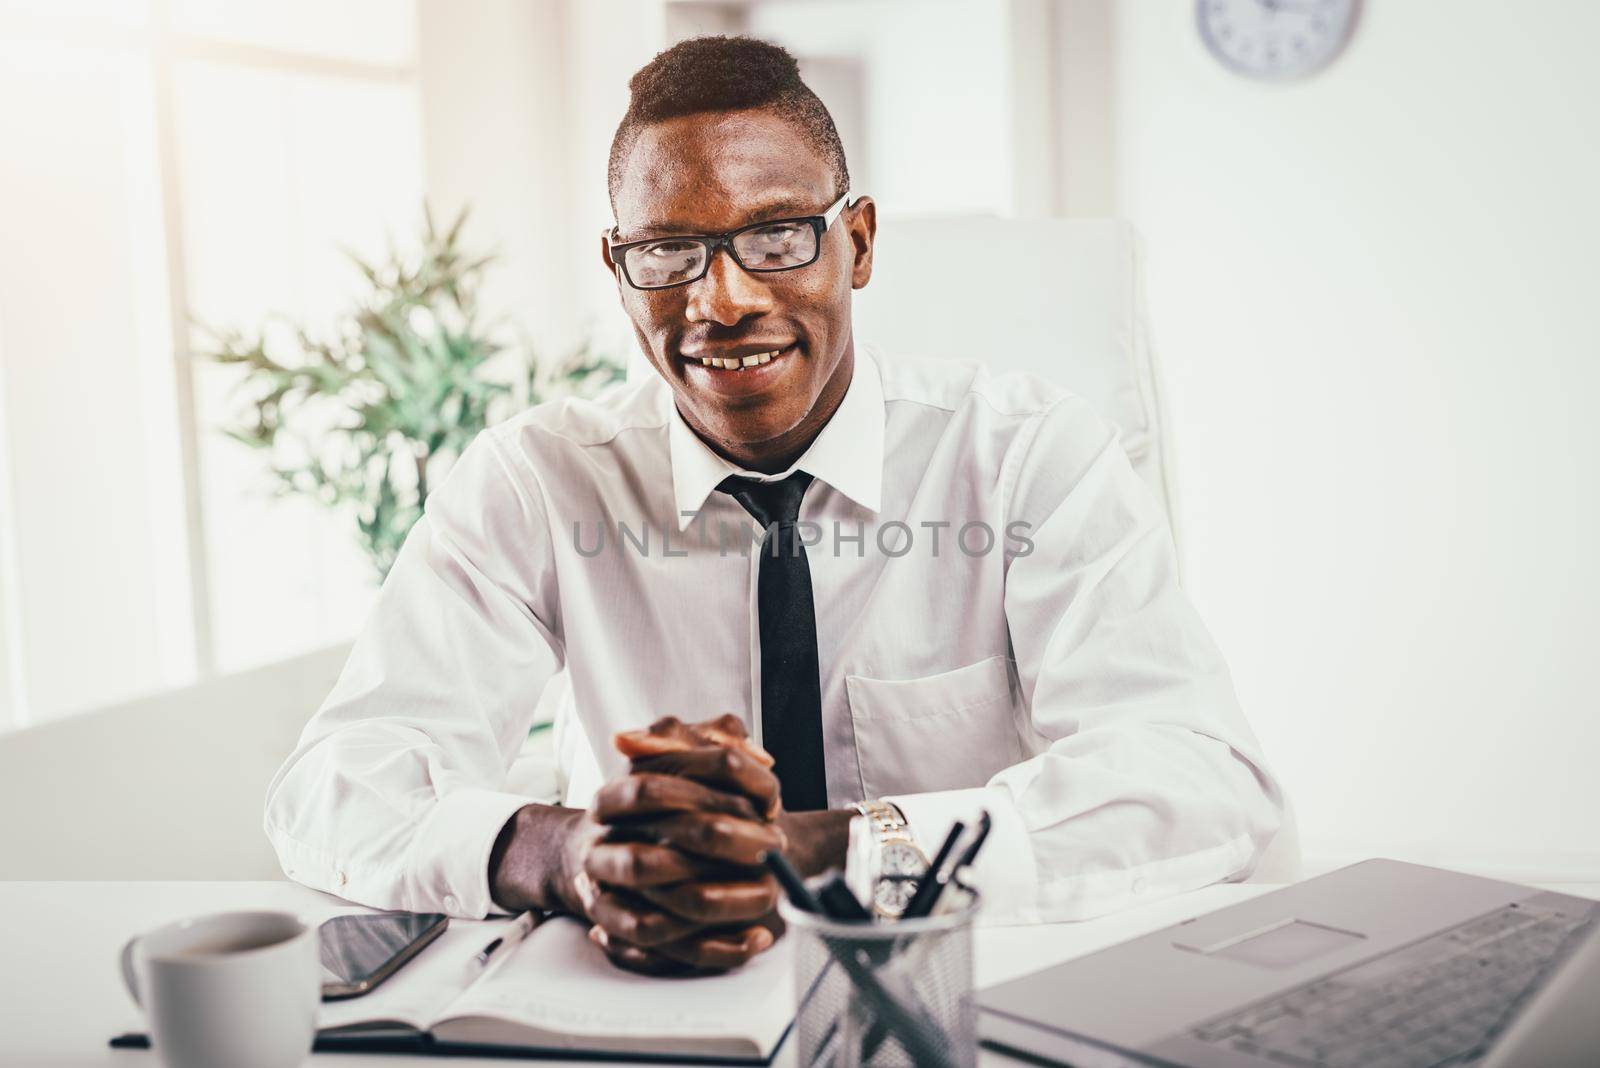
(451, 904)
(340, 878)
(1138, 884)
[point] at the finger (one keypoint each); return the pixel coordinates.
(722, 769)
(640, 864)
(633, 919)
(636, 958)
(717, 902)
(728, 730)
(665, 735)
(653, 794)
(719, 950)
(727, 723)
(671, 735)
(714, 837)
(749, 748)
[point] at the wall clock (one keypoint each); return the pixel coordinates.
(1276, 40)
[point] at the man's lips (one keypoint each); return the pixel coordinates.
(742, 371)
(738, 357)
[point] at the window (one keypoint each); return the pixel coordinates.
(163, 162)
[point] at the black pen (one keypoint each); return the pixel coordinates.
(939, 875)
(924, 1049)
(923, 899)
(970, 854)
(841, 903)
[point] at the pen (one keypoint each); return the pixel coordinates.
(925, 1049)
(971, 852)
(509, 937)
(841, 904)
(923, 899)
(939, 875)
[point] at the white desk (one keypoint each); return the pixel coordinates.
(61, 998)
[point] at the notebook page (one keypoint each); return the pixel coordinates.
(423, 986)
(561, 982)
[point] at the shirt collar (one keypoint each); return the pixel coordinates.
(847, 454)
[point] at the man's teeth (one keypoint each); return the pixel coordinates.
(734, 364)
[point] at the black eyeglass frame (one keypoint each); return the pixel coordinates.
(711, 242)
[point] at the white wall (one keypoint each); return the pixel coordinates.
(495, 115)
(520, 99)
(1372, 293)
(935, 76)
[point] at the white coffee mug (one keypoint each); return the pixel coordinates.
(236, 988)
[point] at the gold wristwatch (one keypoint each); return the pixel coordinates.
(898, 863)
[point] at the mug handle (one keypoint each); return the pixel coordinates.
(128, 977)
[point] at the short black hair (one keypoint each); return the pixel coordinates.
(724, 74)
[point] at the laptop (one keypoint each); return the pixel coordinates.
(1381, 964)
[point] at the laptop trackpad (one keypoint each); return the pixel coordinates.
(1280, 944)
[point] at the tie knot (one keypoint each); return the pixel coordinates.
(769, 502)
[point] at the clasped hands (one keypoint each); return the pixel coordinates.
(666, 862)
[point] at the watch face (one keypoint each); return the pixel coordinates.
(900, 865)
(901, 859)
(892, 895)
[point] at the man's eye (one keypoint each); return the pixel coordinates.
(779, 236)
(669, 248)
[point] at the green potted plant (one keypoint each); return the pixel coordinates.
(367, 419)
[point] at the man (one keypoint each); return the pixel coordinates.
(945, 590)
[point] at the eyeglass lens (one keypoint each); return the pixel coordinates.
(672, 260)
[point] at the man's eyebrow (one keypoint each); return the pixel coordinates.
(786, 207)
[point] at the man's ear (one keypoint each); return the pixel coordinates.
(862, 220)
(605, 254)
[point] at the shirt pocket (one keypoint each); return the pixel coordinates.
(940, 732)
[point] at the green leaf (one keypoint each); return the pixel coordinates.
(344, 416)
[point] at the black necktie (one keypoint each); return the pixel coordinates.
(791, 691)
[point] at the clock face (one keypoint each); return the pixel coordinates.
(1275, 39)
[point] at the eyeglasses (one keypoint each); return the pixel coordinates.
(775, 245)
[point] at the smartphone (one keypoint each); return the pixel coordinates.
(359, 952)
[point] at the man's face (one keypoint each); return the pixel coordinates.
(711, 173)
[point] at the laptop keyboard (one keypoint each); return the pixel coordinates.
(1435, 1002)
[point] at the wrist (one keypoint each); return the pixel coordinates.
(535, 858)
(818, 841)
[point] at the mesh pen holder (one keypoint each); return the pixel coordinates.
(844, 969)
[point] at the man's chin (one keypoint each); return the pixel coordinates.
(746, 435)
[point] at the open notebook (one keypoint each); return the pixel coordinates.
(556, 993)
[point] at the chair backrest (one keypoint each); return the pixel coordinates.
(165, 787)
(1062, 299)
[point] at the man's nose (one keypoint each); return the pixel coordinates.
(728, 294)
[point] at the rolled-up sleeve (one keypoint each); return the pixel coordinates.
(396, 791)
(1145, 778)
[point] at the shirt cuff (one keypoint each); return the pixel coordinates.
(448, 864)
(1003, 872)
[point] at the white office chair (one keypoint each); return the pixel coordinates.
(165, 787)
(1062, 299)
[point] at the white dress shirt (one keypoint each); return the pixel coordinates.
(1058, 678)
